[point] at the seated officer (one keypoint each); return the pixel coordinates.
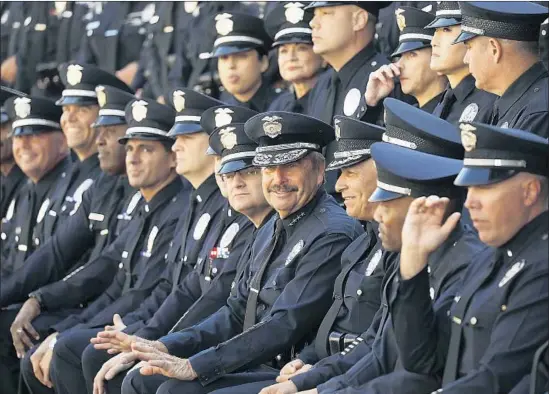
(194, 302)
(288, 26)
(502, 54)
(371, 363)
(498, 319)
(241, 49)
(286, 284)
(136, 259)
(411, 64)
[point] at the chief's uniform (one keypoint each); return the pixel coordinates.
(498, 318)
(524, 104)
(286, 284)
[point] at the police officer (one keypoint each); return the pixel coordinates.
(241, 49)
(497, 320)
(412, 65)
(502, 54)
(139, 249)
(544, 43)
(288, 26)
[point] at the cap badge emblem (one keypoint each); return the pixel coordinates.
(223, 117)
(179, 100)
(139, 110)
(22, 107)
(468, 138)
(227, 137)
(294, 12)
(74, 74)
(272, 127)
(224, 24)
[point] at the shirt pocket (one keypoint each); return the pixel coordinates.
(275, 284)
(362, 297)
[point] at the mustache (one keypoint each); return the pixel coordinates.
(282, 188)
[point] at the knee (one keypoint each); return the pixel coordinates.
(174, 386)
(93, 360)
(27, 373)
(132, 382)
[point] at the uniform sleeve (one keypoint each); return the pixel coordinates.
(296, 312)
(537, 123)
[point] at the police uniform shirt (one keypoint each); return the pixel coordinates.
(468, 104)
(136, 261)
(430, 105)
(288, 102)
(82, 237)
(260, 101)
(293, 297)
(499, 316)
(524, 104)
(9, 186)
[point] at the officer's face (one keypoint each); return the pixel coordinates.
(148, 164)
(6, 154)
(112, 155)
(480, 60)
(489, 208)
(416, 76)
(76, 123)
(356, 184)
(244, 191)
(190, 153)
(37, 154)
(219, 179)
(290, 187)
(333, 28)
(447, 58)
(240, 73)
(390, 215)
(298, 63)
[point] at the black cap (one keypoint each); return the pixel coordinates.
(289, 23)
(353, 141)
(33, 115)
(285, 137)
(239, 33)
(236, 148)
(448, 13)
(372, 7)
(511, 20)
(415, 129)
(413, 34)
(148, 120)
(112, 105)
(80, 81)
(493, 154)
(403, 172)
(6, 93)
(189, 105)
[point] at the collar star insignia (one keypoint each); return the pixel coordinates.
(22, 106)
(468, 138)
(74, 74)
(139, 110)
(224, 24)
(179, 100)
(401, 20)
(228, 138)
(272, 127)
(294, 12)
(101, 96)
(223, 117)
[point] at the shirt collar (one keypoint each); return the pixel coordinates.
(352, 67)
(519, 87)
(464, 88)
(163, 196)
(524, 236)
(259, 101)
(205, 190)
(430, 105)
(89, 163)
(59, 171)
(290, 222)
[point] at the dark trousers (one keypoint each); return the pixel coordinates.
(92, 361)
(32, 384)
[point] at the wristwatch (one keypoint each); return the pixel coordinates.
(38, 297)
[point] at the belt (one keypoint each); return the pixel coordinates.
(338, 341)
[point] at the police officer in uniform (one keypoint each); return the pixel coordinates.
(502, 53)
(412, 64)
(139, 249)
(498, 319)
(288, 26)
(241, 48)
(544, 43)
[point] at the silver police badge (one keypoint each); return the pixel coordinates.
(229, 235)
(179, 100)
(42, 211)
(22, 106)
(101, 96)
(294, 12)
(469, 113)
(201, 226)
(224, 24)
(227, 137)
(468, 138)
(272, 127)
(373, 263)
(337, 129)
(74, 74)
(352, 100)
(223, 117)
(133, 203)
(150, 241)
(139, 110)
(294, 252)
(511, 273)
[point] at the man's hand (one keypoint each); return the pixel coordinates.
(311, 391)
(381, 84)
(161, 100)
(292, 369)
(423, 232)
(110, 369)
(21, 327)
(280, 388)
(41, 360)
(8, 69)
(118, 324)
(159, 363)
(117, 342)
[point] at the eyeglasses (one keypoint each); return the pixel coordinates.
(245, 173)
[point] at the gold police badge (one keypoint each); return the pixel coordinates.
(401, 20)
(468, 138)
(272, 127)
(139, 110)
(224, 24)
(227, 137)
(294, 12)
(223, 117)
(22, 107)
(101, 96)
(74, 74)
(179, 100)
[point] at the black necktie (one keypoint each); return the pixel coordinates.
(138, 224)
(495, 114)
(255, 285)
(180, 251)
(327, 115)
(445, 106)
(27, 205)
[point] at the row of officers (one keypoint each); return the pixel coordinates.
(194, 246)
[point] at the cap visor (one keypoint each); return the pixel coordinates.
(469, 176)
(76, 100)
(384, 195)
(464, 36)
(32, 130)
(409, 46)
(234, 166)
(144, 136)
(442, 22)
(317, 4)
(4, 118)
(109, 121)
(211, 152)
(225, 50)
(293, 40)
(279, 158)
(184, 128)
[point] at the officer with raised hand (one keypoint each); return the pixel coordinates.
(498, 319)
(502, 54)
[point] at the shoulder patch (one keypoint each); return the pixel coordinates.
(374, 262)
(43, 209)
(511, 272)
(229, 235)
(201, 226)
(294, 252)
(352, 101)
(469, 113)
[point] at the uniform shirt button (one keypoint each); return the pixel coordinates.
(146, 208)
(473, 321)
(504, 308)
(359, 292)
(274, 282)
(16, 238)
(214, 270)
(279, 357)
(3, 236)
(536, 90)
(509, 253)
(63, 208)
(121, 265)
(185, 258)
(36, 241)
(374, 63)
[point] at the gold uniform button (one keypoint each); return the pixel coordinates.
(473, 321)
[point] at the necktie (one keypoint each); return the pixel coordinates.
(443, 109)
(180, 251)
(327, 115)
(138, 223)
(27, 205)
(495, 114)
(255, 285)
